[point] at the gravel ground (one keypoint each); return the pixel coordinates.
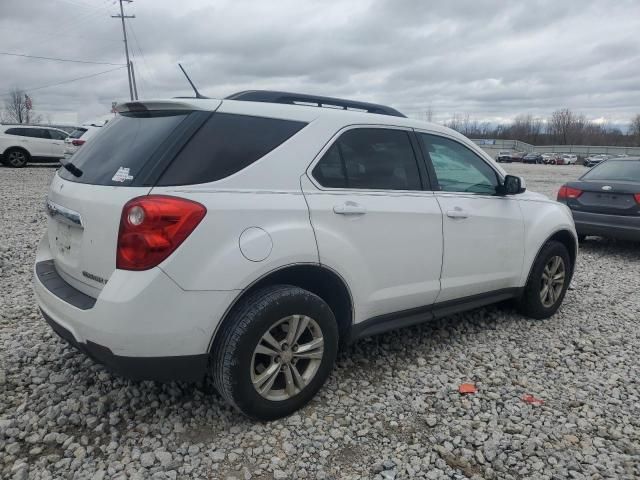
(391, 409)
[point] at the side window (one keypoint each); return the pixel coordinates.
(45, 133)
(226, 144)
(458, 169)
(57, 135)
(22, 132)
(370, 158)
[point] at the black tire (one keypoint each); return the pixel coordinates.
(531, 304)
(16, 158)
(239, 335)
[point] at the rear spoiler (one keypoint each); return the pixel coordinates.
(173, 105)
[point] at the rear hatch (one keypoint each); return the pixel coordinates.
(121, 162)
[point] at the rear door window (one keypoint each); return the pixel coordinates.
(22, 132)
(226, 144)
(372, 159)
(126, 144)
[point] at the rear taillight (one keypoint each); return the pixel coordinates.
(77, 142)
(152, 227)
(568, 192)
(637, 197)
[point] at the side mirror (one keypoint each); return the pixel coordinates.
(512, 185)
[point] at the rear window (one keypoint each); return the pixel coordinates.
(615, 170)
(226, 144)
(125, 145)
(77, 133)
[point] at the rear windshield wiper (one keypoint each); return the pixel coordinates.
(75, 171)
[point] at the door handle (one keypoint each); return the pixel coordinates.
(349, 208)
(457, 212)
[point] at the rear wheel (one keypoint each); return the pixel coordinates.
(16, 158)
(275, 351)
(548, 281)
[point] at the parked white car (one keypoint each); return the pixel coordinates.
(79, 137)
(21, 144)
(567, 159)
(250, 238)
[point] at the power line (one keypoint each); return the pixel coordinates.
(59, 59)
(68, 81)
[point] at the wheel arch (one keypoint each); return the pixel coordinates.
(318, 279)
(568, 239)
(17, 147)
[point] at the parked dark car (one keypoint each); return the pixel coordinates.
(532, 158)
(605, 201)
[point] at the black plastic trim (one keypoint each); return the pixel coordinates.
(270, 96)
(414, 316)
(52, 281)
(190, 368)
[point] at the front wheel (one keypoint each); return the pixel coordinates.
(548, 281)
(275, 351)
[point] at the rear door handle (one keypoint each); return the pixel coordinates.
(457, 213)
(349, 208)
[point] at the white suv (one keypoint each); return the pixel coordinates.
(21, 144)
(250, 237)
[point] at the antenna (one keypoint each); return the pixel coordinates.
(191, 83)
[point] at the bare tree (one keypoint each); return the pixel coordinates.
(15, 107)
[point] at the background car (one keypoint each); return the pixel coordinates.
(532, 157)
(550, 158)
(20, 144)
(79, 137)
(567, 159)
(504, 156)
(595, 160)
(605, 201)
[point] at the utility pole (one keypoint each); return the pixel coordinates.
(122, 16)
(133, 77)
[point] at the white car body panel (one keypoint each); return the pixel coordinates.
(358, 247)
(483, 239)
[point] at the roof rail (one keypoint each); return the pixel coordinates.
(270, 96)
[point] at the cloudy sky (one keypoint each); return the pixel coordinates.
(489, 59)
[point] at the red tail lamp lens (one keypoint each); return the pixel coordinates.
(568, 192)
(152, 227)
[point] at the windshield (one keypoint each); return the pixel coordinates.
(123, 148)
(617, 170)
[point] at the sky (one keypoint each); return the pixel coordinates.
(491, 60)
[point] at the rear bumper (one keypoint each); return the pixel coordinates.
(624, 227)
(185, 367)
(141, 325)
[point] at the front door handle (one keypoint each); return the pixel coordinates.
(349, 208)
(457, 213)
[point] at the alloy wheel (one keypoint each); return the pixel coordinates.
(17, 158)
(287, 357)
(552, 281)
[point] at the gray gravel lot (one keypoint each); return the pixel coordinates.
(390, 410)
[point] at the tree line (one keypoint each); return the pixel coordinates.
(564, 127)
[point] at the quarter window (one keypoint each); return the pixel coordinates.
(457, 168)
(370, 158)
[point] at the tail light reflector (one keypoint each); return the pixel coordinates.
(568, 192)
(152, 227)
(637, 197)
(77, 142)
